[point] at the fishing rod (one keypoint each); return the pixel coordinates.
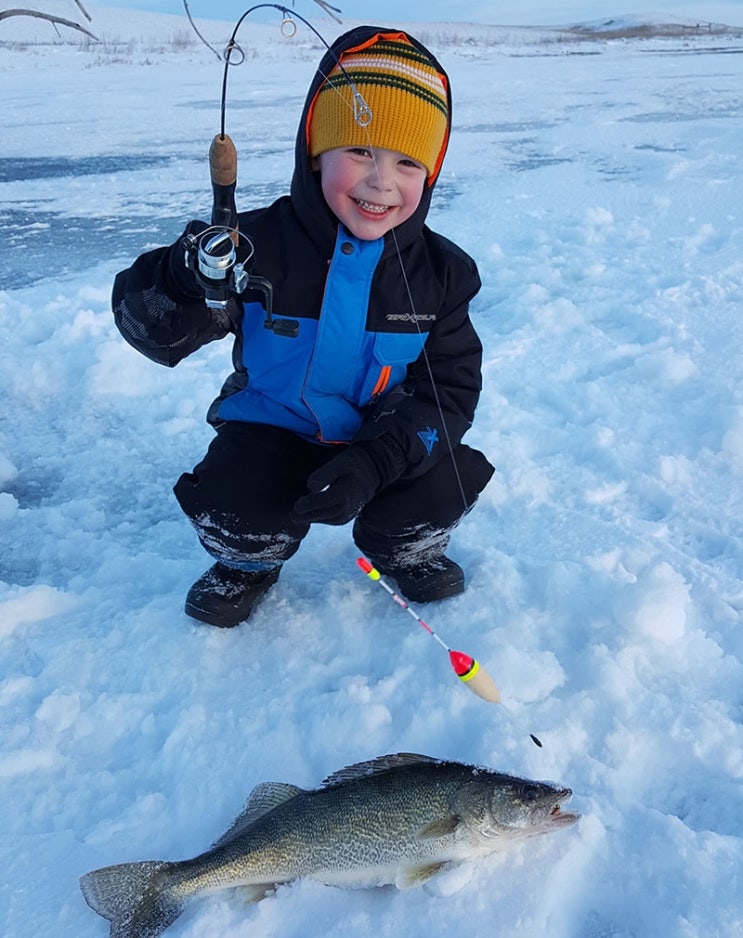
(212, 253)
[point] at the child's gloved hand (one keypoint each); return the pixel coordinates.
(341, 488)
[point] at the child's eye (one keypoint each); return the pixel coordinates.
(413, 163)
(359, 151)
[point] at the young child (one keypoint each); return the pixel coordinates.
(361, 414)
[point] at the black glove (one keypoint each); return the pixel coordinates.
(341, 488)
(180, 280)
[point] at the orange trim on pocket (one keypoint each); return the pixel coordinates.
(383, 380)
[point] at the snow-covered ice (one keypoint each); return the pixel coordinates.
(599, 185)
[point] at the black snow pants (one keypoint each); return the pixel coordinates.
(239, 499)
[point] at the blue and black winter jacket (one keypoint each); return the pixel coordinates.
(365, 309)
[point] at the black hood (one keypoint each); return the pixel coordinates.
(306, 193)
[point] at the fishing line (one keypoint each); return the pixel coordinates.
(426, 359)
(195, 29)
(469, 671)
(288, 30)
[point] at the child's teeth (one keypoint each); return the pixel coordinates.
(369, 207)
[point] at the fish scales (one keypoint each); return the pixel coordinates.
(372, 822)
(397, 819)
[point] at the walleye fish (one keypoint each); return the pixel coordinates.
(395, 819)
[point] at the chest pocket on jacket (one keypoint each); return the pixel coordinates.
(391, 354)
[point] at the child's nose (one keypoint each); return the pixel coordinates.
(381, 181)
(381, 175)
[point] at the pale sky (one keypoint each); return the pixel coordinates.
(506, 12)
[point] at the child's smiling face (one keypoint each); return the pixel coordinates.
(370, 190)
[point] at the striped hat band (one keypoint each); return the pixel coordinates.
(405, 106)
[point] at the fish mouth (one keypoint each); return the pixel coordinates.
(559, 818)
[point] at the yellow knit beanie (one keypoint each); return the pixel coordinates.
(404, 92)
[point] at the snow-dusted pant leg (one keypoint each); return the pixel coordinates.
(238, 498)
(412, 520)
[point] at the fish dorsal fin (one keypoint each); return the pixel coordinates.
(376, 767)
(262, 799)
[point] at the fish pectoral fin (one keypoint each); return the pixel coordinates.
(416, 875)
(263, 798)
(443, 827)
(254, 892)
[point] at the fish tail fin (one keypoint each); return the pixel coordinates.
(134, 897)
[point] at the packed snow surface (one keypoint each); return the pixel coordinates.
(599, 185)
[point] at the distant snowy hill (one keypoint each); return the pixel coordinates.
(160, 31)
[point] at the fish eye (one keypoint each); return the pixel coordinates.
(529, 792)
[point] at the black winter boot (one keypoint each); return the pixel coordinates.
(225, 597)
(437, 578)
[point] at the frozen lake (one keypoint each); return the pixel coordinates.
(599, 185)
